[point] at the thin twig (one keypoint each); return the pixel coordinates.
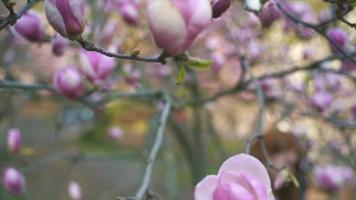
(13, 17)
(317, 29)
(259, 130)
(89, 46)
(142, 191)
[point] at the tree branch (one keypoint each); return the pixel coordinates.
(142, 191)
(13, 17)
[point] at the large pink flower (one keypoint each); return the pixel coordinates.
(176, 23)
(241, 177)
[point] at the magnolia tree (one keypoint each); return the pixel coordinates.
(266, 92)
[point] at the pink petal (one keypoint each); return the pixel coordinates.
(205, 188)
(246, 164)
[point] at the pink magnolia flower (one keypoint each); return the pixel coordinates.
(66, 17)
(332, 178)
(115, 133)
(74, 191)
(353, 111)
(69, 82)
(96, 66)
(29, 26)
(219, 7)
(14, 181)
(348, 66)
(321, 100)
(269, 13)
(129, 11)
(338, 36)
(241, 177)
(13, 140)
(303, 12)
(59, 44)
(176, 23)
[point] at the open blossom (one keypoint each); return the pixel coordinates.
(74, 191)
(13, 140)
(269, 13)
(176, 23)
(13, 181)
(69, 82)
(219, 7)
(241, 177)
(332, 178)
(96, 66)
(29, 26)
(129, 11)
(66, 17)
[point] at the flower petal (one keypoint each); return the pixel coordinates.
(205, 188)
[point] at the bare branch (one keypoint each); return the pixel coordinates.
(13, 17)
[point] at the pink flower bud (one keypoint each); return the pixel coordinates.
(115, 133)
(13, 140)
(269, 13)
(96, 66)
(74, 191)
(69, 82)
(348, 66)
(176, 23)
(321, 100)
(129, 11)
(303, 12)
(353, 111)
(59, 44)
(219, 7)
(66, 17)
(338, 36)
(240, 177)
(332, 178)
(30, 27)
(218, 61)
(14, 181)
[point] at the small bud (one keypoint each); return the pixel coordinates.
(219, 7)
(59, 44)
(66, 17)
(69, 82)
(96, 66)
(332, 178)
(175, 23)
(321, 100)
(129, 11)
(353, 111)
(269, 13)
(13, 140)
(29, 26)
(338, 37)
(14, 181)
(115, 133)
(348, 66)
(74, 191)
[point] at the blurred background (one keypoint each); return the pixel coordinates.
(309, 114)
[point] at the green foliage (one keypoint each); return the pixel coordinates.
(199, 63)
(181, 75)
